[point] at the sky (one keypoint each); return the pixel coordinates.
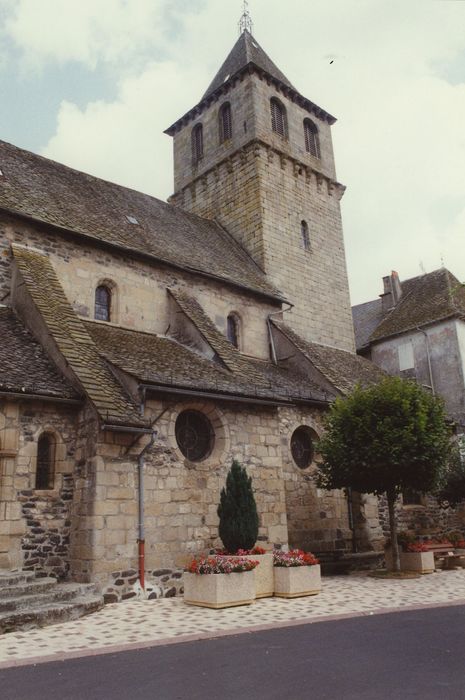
(94, 83)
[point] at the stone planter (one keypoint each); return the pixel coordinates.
(264, 582)
(219, 590)
(421, 562)
(296, 581)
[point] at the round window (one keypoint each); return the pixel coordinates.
(302, 446)
(194, 435)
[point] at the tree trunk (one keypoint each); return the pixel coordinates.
(391, 499)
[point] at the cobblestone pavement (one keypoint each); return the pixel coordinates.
(145, 623)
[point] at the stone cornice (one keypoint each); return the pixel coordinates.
(249, 69)
(256, 146)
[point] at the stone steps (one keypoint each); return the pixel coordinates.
(27, 602)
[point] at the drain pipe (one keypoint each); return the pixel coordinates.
(141, 533)
(270, 330)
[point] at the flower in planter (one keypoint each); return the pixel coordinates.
(242, 552)
(295, 557)
(416, 547)
(220, 565)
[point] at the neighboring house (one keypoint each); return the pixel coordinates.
(218, 326)
(416, 329)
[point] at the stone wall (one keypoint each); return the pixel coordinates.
(430, 519)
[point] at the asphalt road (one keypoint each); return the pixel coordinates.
(418, 654)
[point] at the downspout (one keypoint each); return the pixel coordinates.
(270, 331)
(428, 355)
(141, 527)
(350, 513)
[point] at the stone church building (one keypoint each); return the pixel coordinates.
(144, 344)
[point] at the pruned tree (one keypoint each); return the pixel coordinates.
(386, 438)
(237, 511)
(451, 491)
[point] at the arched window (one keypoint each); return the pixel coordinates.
(225, 122)
(233, 329)
(312, 140)
(278, 117)
(302, 448)
(197, 143)
(102, 303)
(45, 462)
(305, 235)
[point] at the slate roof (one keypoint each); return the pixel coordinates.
(344, 370)
(24, 366)
(425, 299)
(245, 51)
(366, 317)
(165, 363)
(73, 341)
(52, 193)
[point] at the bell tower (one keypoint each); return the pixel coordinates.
(257, 156)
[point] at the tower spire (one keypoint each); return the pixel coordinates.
(245, 22)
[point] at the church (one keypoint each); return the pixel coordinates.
(145, 344)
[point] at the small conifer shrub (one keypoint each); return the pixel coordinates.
(237, 511)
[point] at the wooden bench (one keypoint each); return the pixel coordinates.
(446, 553)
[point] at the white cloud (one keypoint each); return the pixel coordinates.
(400, 141)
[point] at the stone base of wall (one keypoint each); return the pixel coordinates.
(159, 583)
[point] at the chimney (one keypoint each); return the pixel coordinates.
(392, 291)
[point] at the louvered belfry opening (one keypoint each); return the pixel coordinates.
(312, 140)
(225, 122)
(197, 143)
(45, 459)
(102, 303)
(278, 117)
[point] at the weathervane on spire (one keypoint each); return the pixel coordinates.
(245, 22)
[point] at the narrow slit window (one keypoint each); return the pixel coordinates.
(233, 330)
(225, 122)
(278, 117)
(45, 462)
(197, 143)
(102, 303)
(312, 139)
(305, 235)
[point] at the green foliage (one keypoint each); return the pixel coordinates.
(237, 511)
(452, 488)
(386, 438)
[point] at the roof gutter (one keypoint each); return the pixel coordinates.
(126, 429)
(40, 397)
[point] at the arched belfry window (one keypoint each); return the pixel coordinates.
(278, 117)
(233, 329)
(225, 122)
(102, 303)
(305, 235)
(197, 143)
(45, 462)
(312, 140)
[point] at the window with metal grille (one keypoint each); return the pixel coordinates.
(233, 329)
(305, 235)
(194, 435)
(102, 310)
(302, 446)
(225, 122)
(45, 462)
(312, 140)
(278, 117)
(197, 143)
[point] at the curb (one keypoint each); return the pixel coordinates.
(233, 631)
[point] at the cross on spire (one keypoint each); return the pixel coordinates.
(245, 22)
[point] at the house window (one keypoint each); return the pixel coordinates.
(406, 357)
(410, 497)
(302, 446)
(225, 122)
(197, 143)
(233, 329)
(45, 462)
(278, 117)
(102, 303)
(305, 235)
(194, 435)
(312, 141)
